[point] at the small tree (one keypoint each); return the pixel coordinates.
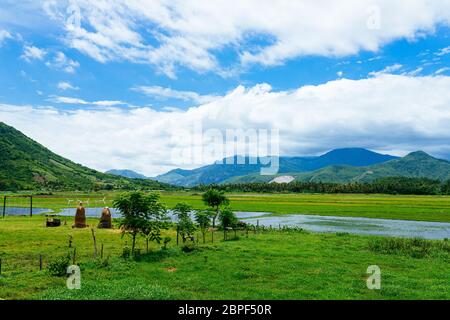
(203, 219)
(215, 199)
(227, 218)
(185, 225)
(142, 214)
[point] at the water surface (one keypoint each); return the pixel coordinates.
(364, 226)
(17, 211)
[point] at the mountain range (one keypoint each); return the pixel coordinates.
(337, 166)
(415, 165)
(222, 172)
(27, 165)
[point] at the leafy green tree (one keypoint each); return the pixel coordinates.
(185, 225)
(227, 218)
(203, 219)
(142, 214)
(215, 199)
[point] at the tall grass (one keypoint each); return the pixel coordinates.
(416, 248)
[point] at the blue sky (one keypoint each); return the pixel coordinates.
(36, 82)
(172, 60)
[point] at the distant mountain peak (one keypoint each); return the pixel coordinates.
(352, 151)
(418, 154)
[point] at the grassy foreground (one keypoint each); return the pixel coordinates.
(272, 265)
(421, 208)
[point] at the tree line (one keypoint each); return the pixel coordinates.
(391, 185)
(144, 215)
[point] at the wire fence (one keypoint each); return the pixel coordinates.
(17, 206)
(29, 205)
(87, 248)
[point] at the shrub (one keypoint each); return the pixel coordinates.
(126, 252)
(189, 247)
(58, 266)
(166, 241)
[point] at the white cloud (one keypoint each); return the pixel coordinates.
(442, 70)
(77, 101)
(4, 35)
(32, 53)
(414, 72)
(168, 93)
(191, 33)
(63, 85)
(388, 70)
(61, 62)
(443, 51)
(388, 113)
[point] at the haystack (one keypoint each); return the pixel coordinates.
(105, 220)
(80, 217)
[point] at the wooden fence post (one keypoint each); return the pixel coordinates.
(95, 243)
(74, 258)
(31, 206)
(4, 206)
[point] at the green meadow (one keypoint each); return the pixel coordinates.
(265, 265)
(421, 208)
(272, 264)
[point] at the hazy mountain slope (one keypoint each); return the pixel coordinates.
(126, 173)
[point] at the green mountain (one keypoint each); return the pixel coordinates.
(27, 165)
(415, 165)
(127, 174)
(222, 171)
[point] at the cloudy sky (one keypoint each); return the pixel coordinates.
(114, 84)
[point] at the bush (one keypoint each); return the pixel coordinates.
(189, 247)
(166, 241)
(126, 252)
(58, 267)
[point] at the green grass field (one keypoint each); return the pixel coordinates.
(421, 208)
(272, 265)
